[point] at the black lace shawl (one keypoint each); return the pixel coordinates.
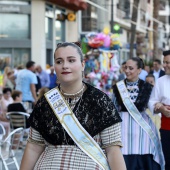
(142, 100)
(95, 113)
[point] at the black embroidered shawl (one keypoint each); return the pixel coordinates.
(95, 113)
(142, 100)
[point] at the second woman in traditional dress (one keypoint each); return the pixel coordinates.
(141, 144)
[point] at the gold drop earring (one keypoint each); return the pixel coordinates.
(83, 74)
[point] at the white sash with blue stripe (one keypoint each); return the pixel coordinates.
(70, 123)
(139, 119)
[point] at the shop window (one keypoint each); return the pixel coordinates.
(49, 57)
(14, 57)
(143, 17)
(5, 58)
(14, 26)
(89, 24)
(20, 56)
(89, 19)
(162, 5)
(48, 28)
(14, 2)
(124, 5)
(49, 15)
(59, 28)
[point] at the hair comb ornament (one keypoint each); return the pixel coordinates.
(76, 43)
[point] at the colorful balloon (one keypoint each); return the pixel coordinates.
(106, 30)
(107, 41)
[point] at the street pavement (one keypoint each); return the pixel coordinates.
(19, 154)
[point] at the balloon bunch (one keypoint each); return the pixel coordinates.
(104, 40)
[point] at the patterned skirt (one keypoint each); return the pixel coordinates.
(64, 157)
(136, 141)
(71, 157)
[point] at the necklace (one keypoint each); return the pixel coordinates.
(133, 89)
(132, 82)
(72, 99)
(73, 95)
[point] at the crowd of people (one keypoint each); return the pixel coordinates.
(77, 126)
(22, 87)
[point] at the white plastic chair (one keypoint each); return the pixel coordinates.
(2, 131)
(8, 148)
(17, 120)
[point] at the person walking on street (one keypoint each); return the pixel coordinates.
(26, 81)
(157, 70)
(53, 78)
(43, 75)
(160, 103)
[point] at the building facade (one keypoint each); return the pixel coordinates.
(30, 29)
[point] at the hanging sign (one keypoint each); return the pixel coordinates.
(61, 17)
(71, 16)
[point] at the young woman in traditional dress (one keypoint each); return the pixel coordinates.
(74, 125)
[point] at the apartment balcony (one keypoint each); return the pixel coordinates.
(164, 8)
(122, 16)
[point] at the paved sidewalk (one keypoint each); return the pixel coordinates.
(19, 154)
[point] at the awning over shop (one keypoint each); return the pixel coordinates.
(74, 5)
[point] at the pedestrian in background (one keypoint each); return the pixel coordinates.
(122, 74)
(157, 70)
(26, 81)
(3, 119)
(10, 82)
(6, 99)
(143, 72)
(43, 75)
(5, 77)
(156, 118)
(17, 106)
(150, 78)
(53, 78)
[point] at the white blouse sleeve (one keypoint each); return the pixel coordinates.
(154, 98)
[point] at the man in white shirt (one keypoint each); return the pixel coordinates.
(43, 75)
(157, 72)
(160, 103)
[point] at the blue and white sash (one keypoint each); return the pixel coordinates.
(138, 118)
(70, 123)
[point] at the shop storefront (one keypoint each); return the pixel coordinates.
(15, 43)
(30, 30)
